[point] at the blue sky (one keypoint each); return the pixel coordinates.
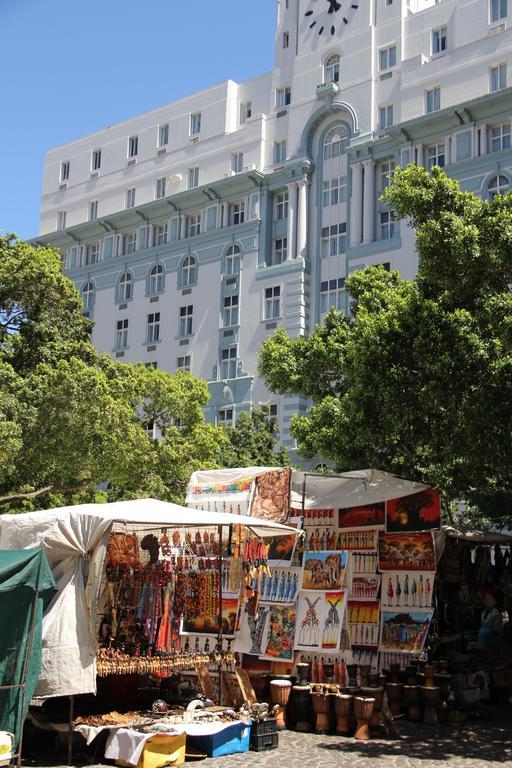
(70, 67)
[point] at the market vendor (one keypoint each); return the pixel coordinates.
(489, 636)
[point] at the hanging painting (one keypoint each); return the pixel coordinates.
(401, 589)
(404, 631)
(363, 562)
(406, 552)
(320, 621)
(252, 634)
(324, 570)
(272, 495)
(365, 586)
(356, 539)
(369, 516)
(417, 512)
(279, 645)
(282, 548)
(281, 587)
(196, 622)
(363, 623)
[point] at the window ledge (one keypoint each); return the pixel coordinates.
(150, 343)
(271, 319)
(186, 336)
(438, 55)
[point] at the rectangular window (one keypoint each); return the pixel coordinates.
(153, 328)
(387, 57)
(386, 171)
(385, 117)
(245, 111)
(334, 240)
(225, 417)
(228, 363)
(122, 334)
(237, 162)
(332, 192)
(163, 135)
(149, 426)
(230, 311)
(161, 232)
(498, 77)
(61, 219)
(497, 10)
(435, 155)
(433, 99)
(129, 243)
(92, 254)
(439, 40)
(185, 320)
(183, 363)
(279, 151)
(332, 295)
(500, 137)
(193, 177)
(195, 123)
(283, 97)
(130, 198)
(387, 225)
(282, 205)
(238, 213)
(194, 224)
(153, 364)
(64, 170)
(93, 210)
(96, 160)
(160, 188)
(272, 302)
(286, 39)
(133, 146)
(280, 250)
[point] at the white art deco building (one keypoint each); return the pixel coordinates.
(194, 230)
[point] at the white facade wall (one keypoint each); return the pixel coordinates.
(461, 129)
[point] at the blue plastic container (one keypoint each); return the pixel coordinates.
(231, 740)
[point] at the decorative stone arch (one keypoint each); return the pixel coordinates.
(190, 254)
(225, 251)
(333, 108)
(156, 268)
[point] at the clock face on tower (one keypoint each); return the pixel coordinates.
(330, 15)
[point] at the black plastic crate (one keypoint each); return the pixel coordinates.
(265, 726)
(264, 742)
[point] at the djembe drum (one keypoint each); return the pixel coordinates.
(363, 710)
(412, 700)
(431, 698)
(378, 695)
(344, 713)
(301, 709)
(394, 692)
(321, 706)
(280, 691)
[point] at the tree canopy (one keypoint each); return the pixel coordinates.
(418, 379)
(71, 419)
(253, 441)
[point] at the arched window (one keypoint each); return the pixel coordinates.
(189, 271)
(233, 260)
(334, 142)
(332, 69)
(498, 185)
(88, 295)
(156, 279)
(125, 291)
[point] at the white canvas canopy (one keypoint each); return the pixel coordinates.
(74, 539)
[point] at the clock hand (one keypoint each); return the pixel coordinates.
(333, 6)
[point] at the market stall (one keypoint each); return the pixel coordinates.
(132, 579)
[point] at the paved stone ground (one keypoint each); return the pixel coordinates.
(485, 743)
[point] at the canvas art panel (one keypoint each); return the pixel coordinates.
(282, 586)
(363, 623)
(320, 621)
(357, 539)
(417, 512)
(281, 633)
(365, 586)
(363, 562)
(412, 590)
(282, 548)
(406, 552)
(368, 516)
(252, 634)
(404, 631)
(324, 570)
(208, 625)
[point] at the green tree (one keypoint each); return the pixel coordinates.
(71, 419)
(418, 380)
(253, 441)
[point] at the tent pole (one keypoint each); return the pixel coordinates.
(219, 568)
(28, 654)
(70, 729)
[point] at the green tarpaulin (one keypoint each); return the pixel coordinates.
(26, 584)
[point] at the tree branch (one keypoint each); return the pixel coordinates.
(43, 491)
